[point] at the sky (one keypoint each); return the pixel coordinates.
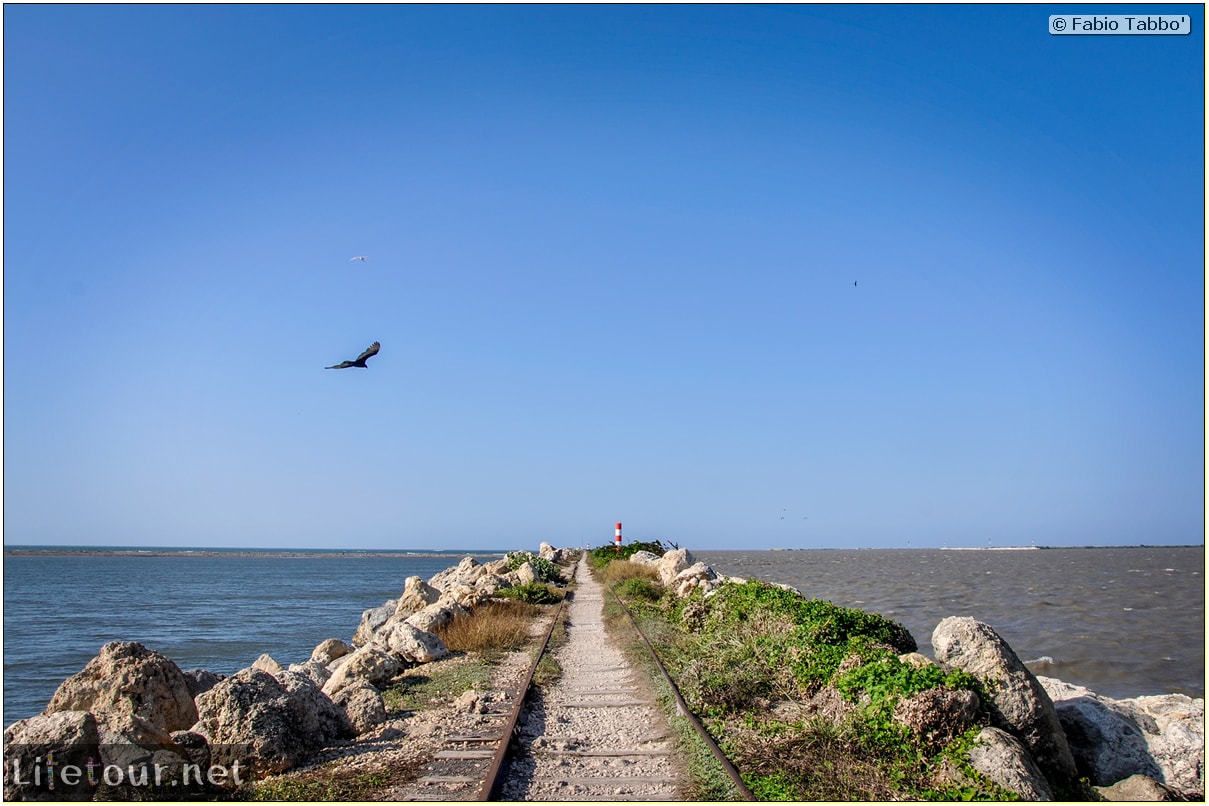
(738, 277)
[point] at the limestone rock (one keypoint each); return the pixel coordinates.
(370, 663)
(937, 714)
(464, 573)
(672, 563)
(328, 723)
(131, 689)
(436, 616)
(411, 644)
(266, 663)
(644, 558)
(1161, 737)
(330, 649)
(73, 738)
(1018, 703)
(255, 720)
(489, 583)
(315, 671)
(1001, 757)
(371, 620)
(697, 575)
(417, 595)
(200, 680)
(1138, 788)
(916, 659)
(526, 574)
(362, 705)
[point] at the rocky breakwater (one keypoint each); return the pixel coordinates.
(133, 724)
(1038, 736)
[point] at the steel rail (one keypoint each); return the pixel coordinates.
(491, 783)
(683, 709)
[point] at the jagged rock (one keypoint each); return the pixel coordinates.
(672, 563)
(463, 596)
(362, 704)
(464, 573)
(73, 738)
(436, 616)
(371, 620)
(644, 558)
(338, 662)
(132, 691)
(370, 663)
(1138, 788)
(497, 567)
(330, 724)
(417, 595)
(411, 644)
(200, 680)
(526, 574)
(1018, 703)
(266, 663)
(829, 703)
(489, 583)
(330, 649)
(916, 659)
(194, 746)
(937, 714)
(1001, 757)
(470, 702)
(697, 575)
(253, 718)
(314, 670)
(1161, 737)
(547, 552)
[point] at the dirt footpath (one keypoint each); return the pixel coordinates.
(597, 732)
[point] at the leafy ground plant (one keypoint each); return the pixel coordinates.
(751, 660)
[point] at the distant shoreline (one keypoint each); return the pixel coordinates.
(283, 554)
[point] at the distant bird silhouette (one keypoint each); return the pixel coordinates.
(369, 353)
(853, 282)
(362, 258)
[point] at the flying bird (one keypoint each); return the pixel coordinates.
(362, 258)
(369, 353)
(853, 282)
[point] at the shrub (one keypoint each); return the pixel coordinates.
(639, 588)
(616, 572)
(533, 593)
(546, 570)
(604, 555)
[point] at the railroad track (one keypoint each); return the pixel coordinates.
(598, 734)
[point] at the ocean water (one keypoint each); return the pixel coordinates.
(204, 612)
(1124, 622)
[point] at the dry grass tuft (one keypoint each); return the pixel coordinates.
(621, 570)
(494, 626)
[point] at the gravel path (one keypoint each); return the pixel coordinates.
(597, 732)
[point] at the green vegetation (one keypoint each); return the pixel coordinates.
(602, 556)
(432, 684)
(535, 593)
(802, 692)
(331, 785)
(546, 570)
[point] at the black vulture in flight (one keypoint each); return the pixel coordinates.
(369, 353)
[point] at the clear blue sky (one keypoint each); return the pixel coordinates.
(612, 255)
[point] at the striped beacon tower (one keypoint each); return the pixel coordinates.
(617, 539)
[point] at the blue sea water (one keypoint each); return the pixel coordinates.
(211, 612)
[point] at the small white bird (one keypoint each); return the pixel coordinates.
(359, 257)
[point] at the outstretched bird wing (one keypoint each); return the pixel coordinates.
(370, 352)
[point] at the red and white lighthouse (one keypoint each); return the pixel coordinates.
(617, 539)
